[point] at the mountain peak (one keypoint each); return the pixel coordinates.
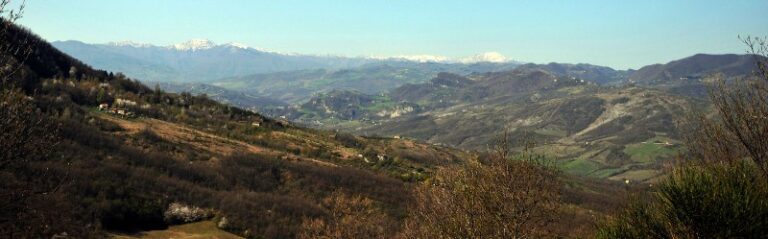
(413, 58)
(237, 45)
(194, 44)
(493, 57)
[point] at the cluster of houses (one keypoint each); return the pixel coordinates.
(380, 157)
(280, 122)
(118, 108)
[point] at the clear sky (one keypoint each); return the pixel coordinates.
(620, 34)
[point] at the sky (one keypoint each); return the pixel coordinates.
(619, 34)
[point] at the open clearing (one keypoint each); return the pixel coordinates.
(197, 230)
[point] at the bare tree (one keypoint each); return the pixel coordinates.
(505, 196)
(12, 53)
(739, 127)
(350, 217)
(28, 190)
(31, 202)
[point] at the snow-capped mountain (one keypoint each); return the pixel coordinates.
(238, 45)
(196, 60)
(130, 44)
(201, 60)
(194, 45)
(489, 57)
(191, 45)
(414, 58)
(493, 57)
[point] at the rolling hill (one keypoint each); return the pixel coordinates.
(587, 118)
(589, 129)
(695, 67)
(234, 98)
(297, 87)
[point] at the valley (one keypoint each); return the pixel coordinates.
(590, 120)
(369, 133)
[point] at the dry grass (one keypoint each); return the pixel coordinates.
(200, 140)
(197, 230)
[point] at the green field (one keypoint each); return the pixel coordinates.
(651, 150)
(637, 175)
(580, 166)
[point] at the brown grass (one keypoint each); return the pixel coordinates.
(197, 230)
(200, 140)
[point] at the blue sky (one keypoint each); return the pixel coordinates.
(619, 34)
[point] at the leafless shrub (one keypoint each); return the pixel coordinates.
(27, 138)
(12, 54)
(505, 196)
(350, 217)
(739, 128)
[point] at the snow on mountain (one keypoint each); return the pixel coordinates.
(205, 44)
(130, 44)
(415, 58)
(200, 44)
(194, 45)
(238, 45)
(493, 57)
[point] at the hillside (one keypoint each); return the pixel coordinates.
(694, 68)
(588, 118)
(296, 87)
(91, 153)
(120, 167)
(588, 129)
(598, 74)
(238, 99)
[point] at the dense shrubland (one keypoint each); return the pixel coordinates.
(718, 200)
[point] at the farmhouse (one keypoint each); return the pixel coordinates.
(103, 106)
(124, 102)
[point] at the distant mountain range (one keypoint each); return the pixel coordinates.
(195, 60)
(201, 60)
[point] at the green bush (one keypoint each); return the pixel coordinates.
(722, 200)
